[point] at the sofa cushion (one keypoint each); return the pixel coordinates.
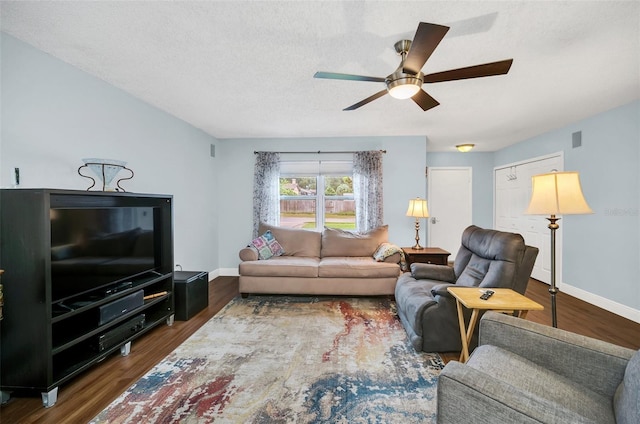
(281, 266)
(356, 267)
(474, 272)
(336, 242)
(267, 246)
(626, 401)
(492, 255)
(571, 401)
(295, 241)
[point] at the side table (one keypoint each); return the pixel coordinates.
(428, 255)
(503, 300)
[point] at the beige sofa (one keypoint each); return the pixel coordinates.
(333, 262)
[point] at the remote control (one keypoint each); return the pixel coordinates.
(487, 294)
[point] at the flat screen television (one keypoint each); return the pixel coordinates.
(95, 247)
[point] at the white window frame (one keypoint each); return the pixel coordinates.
(319, 170)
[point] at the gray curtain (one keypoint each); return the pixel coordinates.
(367, 189)
(266, 190)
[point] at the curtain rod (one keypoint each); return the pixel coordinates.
(315, 153)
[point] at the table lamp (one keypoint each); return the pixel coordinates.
(556, 193)
(418, 209)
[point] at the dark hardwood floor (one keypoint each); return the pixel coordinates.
(84, 397)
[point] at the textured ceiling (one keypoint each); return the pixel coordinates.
(244, 69)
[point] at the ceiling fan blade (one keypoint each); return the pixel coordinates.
(424, 100)
(427, 38)
(367, 100)
(333, 75)
(485, 70)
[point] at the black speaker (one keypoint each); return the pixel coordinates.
(119, 307)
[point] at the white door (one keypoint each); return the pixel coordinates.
(449, 203)
(512, 194)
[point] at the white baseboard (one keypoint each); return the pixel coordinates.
(228, 272)
(602, 302)
(213, 274)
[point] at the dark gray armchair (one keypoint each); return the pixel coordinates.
(524, 372)
(486, 258)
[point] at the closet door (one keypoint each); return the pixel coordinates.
(512, 188)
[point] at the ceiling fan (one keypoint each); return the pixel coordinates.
(407, 80)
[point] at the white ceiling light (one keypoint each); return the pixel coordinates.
(464, 148)
(403, 86)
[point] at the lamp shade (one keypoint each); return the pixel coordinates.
(418, 208)
(557, 193)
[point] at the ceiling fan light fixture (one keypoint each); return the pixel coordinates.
(464, 148)
(405, 87)
(406, 81)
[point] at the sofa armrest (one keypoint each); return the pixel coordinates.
(467, 395)
(592, 363)
(443, 273)
(249, 253)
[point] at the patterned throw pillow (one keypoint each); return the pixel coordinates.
(387, 249)
(267, 246)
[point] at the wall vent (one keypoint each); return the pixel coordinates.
(576, 139)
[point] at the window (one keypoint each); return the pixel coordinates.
(316, 194)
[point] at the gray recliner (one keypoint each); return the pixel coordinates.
(486, 258)
(524, 372)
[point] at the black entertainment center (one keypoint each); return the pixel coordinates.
(85, 274)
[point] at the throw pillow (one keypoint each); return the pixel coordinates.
(267, 246)
(386, 250)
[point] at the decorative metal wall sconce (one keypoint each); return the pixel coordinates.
(105, 170)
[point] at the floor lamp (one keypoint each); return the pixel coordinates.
(418, 209)
(556, 193)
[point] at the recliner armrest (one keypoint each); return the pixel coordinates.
(595, 364)
(444, 273)
(441, 290)
(468, 395)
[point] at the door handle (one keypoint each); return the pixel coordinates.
(434, 220)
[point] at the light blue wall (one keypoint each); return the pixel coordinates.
(403, 168)
(482, 180)
(53, 115)
(600, 251)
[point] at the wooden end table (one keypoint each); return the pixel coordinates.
(503, 300)
(428, 255)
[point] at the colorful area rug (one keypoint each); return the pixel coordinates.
(289, 360)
